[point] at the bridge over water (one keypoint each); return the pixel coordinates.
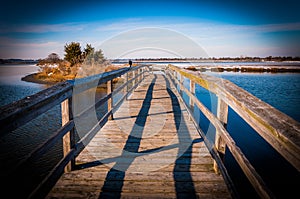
(147, 143)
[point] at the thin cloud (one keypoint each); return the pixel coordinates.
(122, 25)
(196, 27)
(10, 42)
(260, 28)
(17, 48)
(40, 28)
(215, 28)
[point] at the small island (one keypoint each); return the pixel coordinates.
(77, 63)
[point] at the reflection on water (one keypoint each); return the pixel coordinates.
(12, 88)
(12, 74)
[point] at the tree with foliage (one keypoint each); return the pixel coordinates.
(94, 63)
(53, 58)
(99, 57)
(95, 58)
(73, 53)
(88, 49)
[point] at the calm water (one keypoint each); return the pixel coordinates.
(12, 88)
(279, 90)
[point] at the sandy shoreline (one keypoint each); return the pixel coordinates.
(34, 79)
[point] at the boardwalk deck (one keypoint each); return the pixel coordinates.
(150, 150)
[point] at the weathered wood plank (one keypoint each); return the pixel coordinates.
(278, 129)
(152, 137)
(65, 113)
(255, 179)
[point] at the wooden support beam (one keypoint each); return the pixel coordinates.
(110, 100)
(220, 144)
(181, 78)
(192, 90)
(127, 86)
(65, 117)
(133, 76)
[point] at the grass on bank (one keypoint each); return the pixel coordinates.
(55, 75)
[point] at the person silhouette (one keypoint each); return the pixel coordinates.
(130, 63)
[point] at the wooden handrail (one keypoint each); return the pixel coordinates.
(246, 166)
(284, 135)
(15, 115)
(20, 112)
(277, 128)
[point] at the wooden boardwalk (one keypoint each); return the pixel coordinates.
(150, 150)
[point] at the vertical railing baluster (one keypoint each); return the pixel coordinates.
(181, 79)
(174, 74)
(139, 73)
(192, 90)
(110, 100)
(133, 76)
(72, 132)
(140, 76)
(220, 144)
(127, 85)
(65, 118)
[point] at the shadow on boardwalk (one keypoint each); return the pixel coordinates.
(183, 182)
(132, 145)
(184, 151)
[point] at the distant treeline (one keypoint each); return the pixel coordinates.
(18, 61)
(238, 59)
(246, 59)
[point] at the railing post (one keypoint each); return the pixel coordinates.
(137, 75)
(127, 85)
(133, 76)
(181, 78)
(110, 100)
(69, 138)
(192, 90)
(222, 114)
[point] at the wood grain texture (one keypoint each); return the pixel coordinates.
(279, 130)
(150, 150)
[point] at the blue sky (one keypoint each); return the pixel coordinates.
(34, 29)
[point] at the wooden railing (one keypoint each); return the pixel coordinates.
(282, 132)
(279, 130)
(23, 111)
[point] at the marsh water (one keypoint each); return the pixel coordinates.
(281, 90)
